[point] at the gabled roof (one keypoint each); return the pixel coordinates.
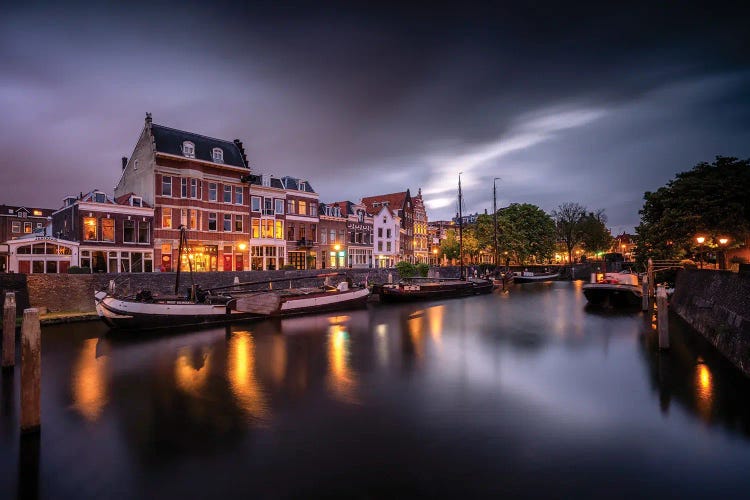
(169, 140)
(257, 180)
(125, 200)
(346, 207)
(12, 211)
(296, 184)
(394, 201)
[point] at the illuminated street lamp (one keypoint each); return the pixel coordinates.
(700, 240)
(337, 247)
(723, 261)
(434, 253)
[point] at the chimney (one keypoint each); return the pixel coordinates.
(124, 162)
(238, 143)
(148, 118)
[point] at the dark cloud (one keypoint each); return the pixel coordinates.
(594, 104)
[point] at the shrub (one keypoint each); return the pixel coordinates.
(422, 269)
(78, 270)
(406, 269)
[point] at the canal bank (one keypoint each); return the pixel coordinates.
(717, 304)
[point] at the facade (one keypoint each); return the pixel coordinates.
(114, 236)
(359, 231)
(267, 222)
(194, 181)
(436, 233)
(16, 222)
(421, 243)
(333, 236)
(302, 207)
(400, 205)
(41, 253)
(388, 232)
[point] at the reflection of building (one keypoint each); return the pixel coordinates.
(333, 228)
(16, 222)
(114, 235)
(267, 207)
(194, 181)
(401, 206)
(302, 223)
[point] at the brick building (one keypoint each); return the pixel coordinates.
(114, 236)
(421, 244)
(267, 221)
(333, 233)
(302, 206)
(17, 221)
(192, 180)
(359, 229)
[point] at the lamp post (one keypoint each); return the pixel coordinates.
(700, 240)
(494, 214)
(337, 247)
(722, 244)
(435, 256)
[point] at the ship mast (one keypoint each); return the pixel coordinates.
(460, 230)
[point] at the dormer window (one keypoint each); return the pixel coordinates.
(136, 201)
(188, 149)
(100, 197)
(218, 155)
(302, 186)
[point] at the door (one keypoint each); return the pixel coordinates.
(64, 265)
(238, 264)
(227, 262)
(24, 266)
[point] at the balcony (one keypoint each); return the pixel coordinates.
(305, 243)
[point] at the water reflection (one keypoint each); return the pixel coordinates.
(90, 381)
(241, 375)
(342, 380)
(191, 369)
(703, 391)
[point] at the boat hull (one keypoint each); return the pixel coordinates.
(535, 279)
(419, 292)
(612, 295)
(133, 315)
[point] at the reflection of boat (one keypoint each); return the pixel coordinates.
(531, 277)
(614, 289)
(227, 304)
(414, 289)
(504, 279)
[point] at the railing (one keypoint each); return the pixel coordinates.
(305, 243)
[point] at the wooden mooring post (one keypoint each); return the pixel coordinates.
(662, 317)
(645, 299)
(31, 371)
(9, 330)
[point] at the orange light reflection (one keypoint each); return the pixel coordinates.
(89, 382)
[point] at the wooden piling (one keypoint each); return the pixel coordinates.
(662, 317)
(645, 299)
(9, 330)
(31, 371)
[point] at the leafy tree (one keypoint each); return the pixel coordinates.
(526, 232)
(449, 246)
(710, 200)
(471, 244)
(568, 218)
(406, 269)
(422, 269)
(595, 236)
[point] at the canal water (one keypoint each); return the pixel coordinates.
(528, 393)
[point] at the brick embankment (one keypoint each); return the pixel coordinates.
(717, 304)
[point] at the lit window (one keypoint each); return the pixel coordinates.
(279, 230)
(108, 230)
(218, 155)
(37, 212)
(166, 218)
(188, 149)
(302, 207)
(27, 227)
(89, 228)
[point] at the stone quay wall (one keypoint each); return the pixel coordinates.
(74, 293)
(717, 304)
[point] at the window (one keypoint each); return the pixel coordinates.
(302, 207)
(333, 237)
(238, 195)
(302, 232)
(16, 226)
(387, 233)
(143, 232)
(279, 206)
(128, 232)
(290, 231)
(279, 230)
(227, 223)
(324, 237)
(268, 206)
(380, 232)
(388, 246)
(136, 201)
(380, 246)
(255, 228)
(166, 218)
(212, 220)
(267, 228)
(193, 222)
(255, 203)
(227, 194)
(211, 191)
(100, 197)
(238, 223)
(166, 186)
(313, 232)
(184, 187)
(184, 217)
(27, 227)
(193, 188)
(108, 230)
(218, 155)
(312, 210)
(38, 225)
(89, 229)
(290, 206)
(188, 149)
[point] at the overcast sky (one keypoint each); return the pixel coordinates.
(594, 105)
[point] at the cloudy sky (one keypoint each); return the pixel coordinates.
(571, 103)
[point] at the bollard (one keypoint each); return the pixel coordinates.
(644, 298)
(9, 330)
(593, 277)
(31, 371)
(390, 278)
(662, 316)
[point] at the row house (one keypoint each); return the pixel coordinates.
(333, 232)
(389, 233)
(401, 206)
(16, 222)
(267, 220)
(114, 236)
(421, 246)
(194, 181)
(360, 239)
(302, 203)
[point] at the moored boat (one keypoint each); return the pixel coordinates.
(415, 289)
(614, 290)
(532, 277)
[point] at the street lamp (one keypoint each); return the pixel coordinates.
(337, 247)
(700, 240)
(434, 255)
(722, 244)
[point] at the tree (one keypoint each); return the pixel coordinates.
(526, 232)
(710, 200)
(449, 246)
(595, 236)
(568, 217)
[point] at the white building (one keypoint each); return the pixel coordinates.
(386, 244)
